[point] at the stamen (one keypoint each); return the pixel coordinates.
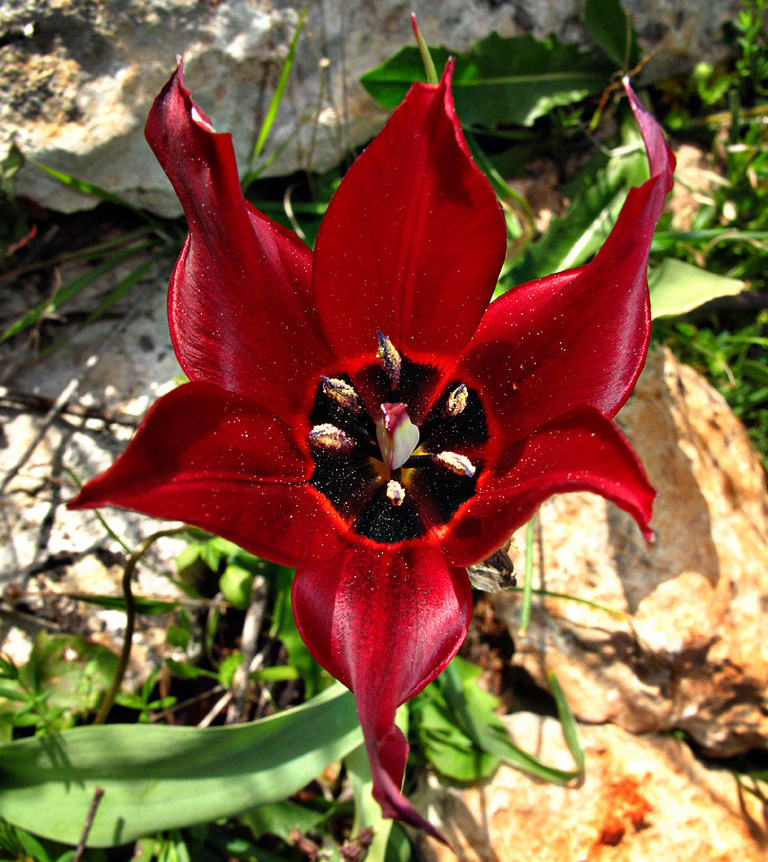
(341, 392)
(457, 400)
(327, 436)
(459, 464)
(395, 493)
(389, 357)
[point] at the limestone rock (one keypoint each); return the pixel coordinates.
(687, 649)
(47, 552)
(642, 798)
(77, 78)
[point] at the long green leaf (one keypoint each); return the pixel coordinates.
(87, 188)
(123, 287)
(164, 777)
(492, 738)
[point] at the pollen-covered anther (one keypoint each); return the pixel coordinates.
(459, 464)
(395, 492)
(457, 400)
(341, 392)
(330, 438)
(389, 357)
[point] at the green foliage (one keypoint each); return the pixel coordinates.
(456, 728)
(63, 680)
(736, 362)
(499, 80)
(677, 287)
(609, 26)
(47, 783)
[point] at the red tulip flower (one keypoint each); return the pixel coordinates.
(362, 413)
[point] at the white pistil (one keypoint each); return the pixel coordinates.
(341, 392)
(327, 436)
(390, 359)
(459, 464)
(395, 493)
(396, 434)
(457, 400)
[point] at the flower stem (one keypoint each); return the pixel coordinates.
(130, 620)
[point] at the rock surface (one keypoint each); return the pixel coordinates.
(642, 798)
(687, 649)
(47, 552)
(77, 78)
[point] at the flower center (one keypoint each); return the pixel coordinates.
(400, 468)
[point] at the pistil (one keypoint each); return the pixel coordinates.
(396, 434)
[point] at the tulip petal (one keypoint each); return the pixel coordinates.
(413, 240)
(239, 305)
(385, 620)
(580, 336)
(223, 463)
(583, 451)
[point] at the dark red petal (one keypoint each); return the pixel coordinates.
(581, 336)
(413, 240)
(225, 464)
(240, 304)
(583, 451)
(385, 620)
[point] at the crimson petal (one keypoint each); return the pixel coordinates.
(580, 336)
(413, 240)
(223, 463)
(239, 306)
(385, 620)
(583, 451)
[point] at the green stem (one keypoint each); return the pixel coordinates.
(130, 620)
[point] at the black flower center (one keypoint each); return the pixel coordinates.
(389, 477)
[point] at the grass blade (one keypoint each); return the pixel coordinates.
(277, 96)
(72, 289)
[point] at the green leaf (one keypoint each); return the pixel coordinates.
(284, 629)
(567, 722)
(236, 583)
(280, 819)
(92, 190)
(150, 607)
(678, 287)
(487, 731)
(158, 777)
(499, 80)
(610, 27)
(112, 298)
(70, 290)
(597, 196)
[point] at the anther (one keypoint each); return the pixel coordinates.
(341, 392)
(327, 436)
(389, 357)
(395, 493)
(457, 400)
(459, 464)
